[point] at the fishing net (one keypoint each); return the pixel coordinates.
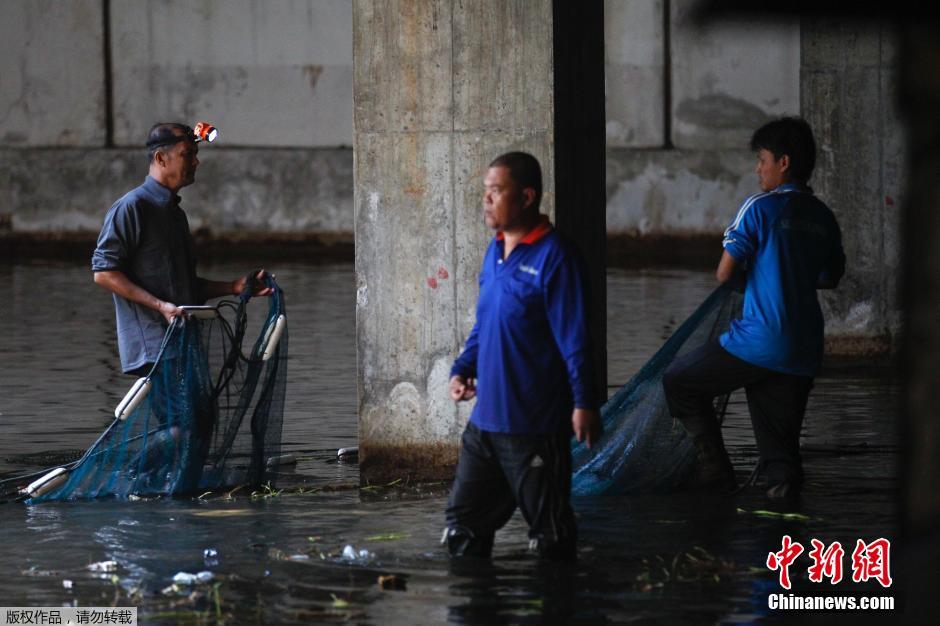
(207, 416)
(643, 450)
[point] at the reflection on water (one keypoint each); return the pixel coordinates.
(681, 557)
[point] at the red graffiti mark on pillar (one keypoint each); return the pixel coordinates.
(432, 282)
(889, 201)
(442, 273)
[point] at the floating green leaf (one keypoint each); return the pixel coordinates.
(775, 515)
(388, 537)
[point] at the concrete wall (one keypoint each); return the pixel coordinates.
(273, 73)
(729, 77)
(849, 88)
(51, 73)
(275, 77)
(274, 191)
(441, 87)
(635, 57)
(279, 74)
(687, 172)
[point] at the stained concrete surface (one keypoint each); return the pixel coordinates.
(676, 192)
(729, 77)
(635, 59)
(273, 73)
(277, 191)
(52, 84)
(440, 89)
(849, 95)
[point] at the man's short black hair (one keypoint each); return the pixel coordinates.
(525, 171)
(791, 136)
(162, 134)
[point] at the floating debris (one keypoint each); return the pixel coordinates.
(695, 566)
(350, 554)
(266, 491)
(283, 459)
(224, 513)
(103, 566)
(370, 488)
(188, 580)
(391, 582)
(184, 578)
(775, 515)
(204, 577)
(34, 571)
(388, 537)
(210, 556)
(348, 454)
(174, 589)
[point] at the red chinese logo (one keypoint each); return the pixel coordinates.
(869, 561)
(827, 562)
(872, 561)
(782, 560)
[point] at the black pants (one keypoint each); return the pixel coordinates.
(497, 472)
(776, 402)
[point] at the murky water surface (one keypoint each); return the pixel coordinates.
(682, 557)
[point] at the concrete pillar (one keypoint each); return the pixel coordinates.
(440, 88)
(848, 84)
(920, 356)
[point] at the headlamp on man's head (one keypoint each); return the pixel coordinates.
(163, 134)
(205, 131)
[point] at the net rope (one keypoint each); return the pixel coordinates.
(643, 449)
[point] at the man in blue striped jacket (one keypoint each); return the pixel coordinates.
(788, 244)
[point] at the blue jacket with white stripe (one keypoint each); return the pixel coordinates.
(789, 241)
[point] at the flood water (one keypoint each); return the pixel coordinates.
(680, 558)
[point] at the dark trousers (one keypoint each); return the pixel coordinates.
(497, 472)
(776, 402)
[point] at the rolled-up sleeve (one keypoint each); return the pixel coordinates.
(118, 239)
(566, 301)
(742, 236)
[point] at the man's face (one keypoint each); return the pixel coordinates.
(503, 201)
(180, 163)
(772, 172)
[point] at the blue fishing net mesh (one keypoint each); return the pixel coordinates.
(211, 420)
(643, 449)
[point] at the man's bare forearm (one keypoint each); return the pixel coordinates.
(118, 282)
(209, 289)
(727, 266)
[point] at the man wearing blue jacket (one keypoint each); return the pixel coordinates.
(528, 363)
(789, 244)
